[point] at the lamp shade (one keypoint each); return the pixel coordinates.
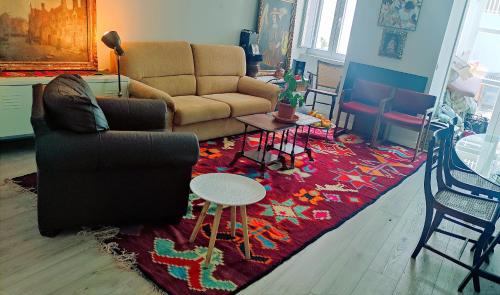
(112, 40)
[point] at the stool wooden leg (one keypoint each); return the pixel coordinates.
(243, 210)
(199, 221)
(213, 234)
(233, 221)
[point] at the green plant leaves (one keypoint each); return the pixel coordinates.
(288, 94)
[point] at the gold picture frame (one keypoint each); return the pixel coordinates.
(55, 52)
(276, 23)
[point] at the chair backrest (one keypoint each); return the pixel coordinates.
(370, 92)
(411, 102)
(439, 139)
(328, 75)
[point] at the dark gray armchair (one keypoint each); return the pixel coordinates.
(134, 173)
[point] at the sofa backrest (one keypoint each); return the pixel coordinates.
(218, 68)
(167, 65)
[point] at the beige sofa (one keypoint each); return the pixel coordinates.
(205, 86)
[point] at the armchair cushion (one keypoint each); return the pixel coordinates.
(71, 105)
(134, 114)
(115, 150)
(405, 119)
(356, 107)
(370, 92)
(193, 109)
(242, 104)
(411, 102)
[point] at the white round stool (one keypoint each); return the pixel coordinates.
(230, 190)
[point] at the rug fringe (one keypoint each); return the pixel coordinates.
(19, 188)
(124, 259)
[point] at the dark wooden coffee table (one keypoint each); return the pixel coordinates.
(266, 124)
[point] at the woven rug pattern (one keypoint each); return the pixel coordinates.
(301, 205)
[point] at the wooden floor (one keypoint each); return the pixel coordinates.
(369, 254)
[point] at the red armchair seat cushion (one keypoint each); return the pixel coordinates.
(403, 118)
(356, 107)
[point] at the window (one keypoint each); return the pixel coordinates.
(327, 26)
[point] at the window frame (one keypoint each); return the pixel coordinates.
(331, 52)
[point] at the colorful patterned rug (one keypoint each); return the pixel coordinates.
(301, 205)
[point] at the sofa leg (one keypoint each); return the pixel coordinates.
(49, 233)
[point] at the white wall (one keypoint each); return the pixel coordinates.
(422, 46)
(450, 44)
(197, 21)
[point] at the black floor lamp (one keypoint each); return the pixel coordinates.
(112, 40)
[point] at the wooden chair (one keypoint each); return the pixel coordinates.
(465, 178)
(476, 271)
(365, 98)
(327, 76)
(472, 212)
(411, 110)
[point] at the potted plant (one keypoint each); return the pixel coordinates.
(289, 99)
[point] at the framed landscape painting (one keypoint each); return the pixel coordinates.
(400, 14)
(275, 28)
(47, 35)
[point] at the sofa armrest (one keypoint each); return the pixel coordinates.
(251, 86)
(137, 89)
(115, 150)
(134, 114)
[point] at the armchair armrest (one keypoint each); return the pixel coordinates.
(137, 89)
(134, 114)
(345, 96)
(382, 104)
(259, 88)
(115, 150)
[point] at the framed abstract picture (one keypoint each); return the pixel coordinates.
(400, 14)
(393, 43)
(47, 35)
(275, 28)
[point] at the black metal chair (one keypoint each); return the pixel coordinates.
(464, 178)
(327, 76)
(472, 212)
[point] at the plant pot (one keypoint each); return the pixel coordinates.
(285, 111)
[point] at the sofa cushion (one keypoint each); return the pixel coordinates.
(193, 109)
(219, 60)
(242, 104)
(173, 85)
(168, 66)
(218, 68)
(216, 84)
(71, 105)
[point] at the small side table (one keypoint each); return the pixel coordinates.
(225, 189)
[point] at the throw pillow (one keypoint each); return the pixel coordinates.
(71, 105)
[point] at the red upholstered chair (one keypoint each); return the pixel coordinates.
(367, 98)
(411, 110)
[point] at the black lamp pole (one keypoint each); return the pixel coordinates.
(119, 79)
(112, 40)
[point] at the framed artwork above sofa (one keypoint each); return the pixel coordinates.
(275, 27)
(48, 35)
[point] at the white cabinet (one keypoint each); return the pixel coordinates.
(16, 97)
